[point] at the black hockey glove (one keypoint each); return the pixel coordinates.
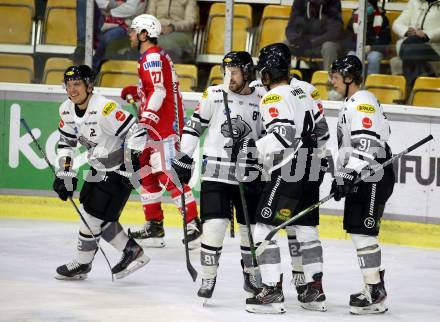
(242, 150)
(309, 140)
(65, 184)
(343, 183)
(323, 169)
(183, 165)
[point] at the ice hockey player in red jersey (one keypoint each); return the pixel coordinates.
(160, 102)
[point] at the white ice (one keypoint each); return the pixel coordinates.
(30, 251)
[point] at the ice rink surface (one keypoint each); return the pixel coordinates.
(31, 250)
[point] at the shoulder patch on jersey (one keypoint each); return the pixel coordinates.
(366, 108)
(61, 124)
(108, 108)
(205, 94)
(367, 122)
(271, 98)
(316, 95)
(273, 111)
(152, 64)
(120, 116)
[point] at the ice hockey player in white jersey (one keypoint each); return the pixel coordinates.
(220, 175)
(103, 128)
(321, 132)
(363, 131)
(287, 151)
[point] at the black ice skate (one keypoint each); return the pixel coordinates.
(207, 288)
(252, 282)
(151, 235)
(132, 259)
(194, 233)
(313, 298)
(382, 280)
(269, 301)
(299, 281)
(73, 271)
(371, 300)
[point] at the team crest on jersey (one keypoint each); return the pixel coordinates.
(152, 64)
(108, 108)
(366, 108)
(271, 98)
(273, 111)
(315, 95)
(239, 128)
(120, 116)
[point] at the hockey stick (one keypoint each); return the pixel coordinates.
(28, 129)
(364, 176)
(191, 270)
(240, 184)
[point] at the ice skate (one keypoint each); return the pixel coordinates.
(371, 300)
(299, 281)
(313, 298)
(73, 271)
(269, 301)
(133, 258)
(194, 233)
(252, 282)
(151, 235)
(207, 288)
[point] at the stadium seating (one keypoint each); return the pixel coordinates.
(388, 89)
(118, 73)
(426, 92)
(215, 76)
(320, 81)
(16, 68)
(187, 74)
(272, 27)
(296, 73)
(17, 26)
(213, 40)
(54, 70)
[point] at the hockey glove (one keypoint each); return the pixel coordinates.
(323, 169)
(343, 183)
(132, 90)
(183, 166)
(310, 140)
(150, 119)
(242, 149)
(65, 184)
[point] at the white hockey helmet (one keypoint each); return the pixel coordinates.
(149, 23)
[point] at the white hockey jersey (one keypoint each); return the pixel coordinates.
(210, 115)
(287, 113)
(363, 131)
(321, 126)
(101, 130)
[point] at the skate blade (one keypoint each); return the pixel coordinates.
(151, 242)
(378, 308)
(78, 277)
(138, 263)
(273, 308)
(315, 306)
(205, 302)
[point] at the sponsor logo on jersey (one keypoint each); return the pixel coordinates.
(321, 108)
(205, 94)
(120, 116)
(61, 124)
(273, 111)
(197, 109)
(65, 113)
(367, 122)
(283, 214)
(272, 98)
(92, 112)
(369, 222)
(266, 212)
(366, 108)
(316, 95)
(152, 64)
(108, 108)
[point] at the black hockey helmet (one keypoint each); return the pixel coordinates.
(279, 49)
(240, 59)
(80, 72)
(348, 66)
(275, 66)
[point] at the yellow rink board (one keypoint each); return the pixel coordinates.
(47, 208)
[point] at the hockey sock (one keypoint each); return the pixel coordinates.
(114, 234)
(245, 247)
(214, 231)
(150, 198)
(369, 257)
(270, 260)
(191, 206)
(294, 249)
(311, 251)
(87, 247)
